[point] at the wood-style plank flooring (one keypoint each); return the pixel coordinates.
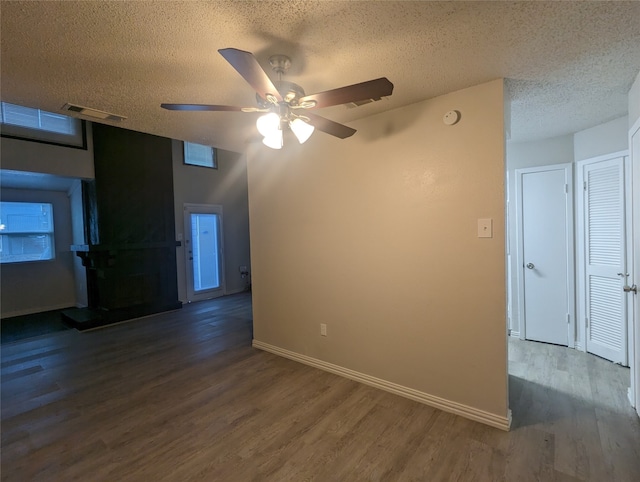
(183, 396)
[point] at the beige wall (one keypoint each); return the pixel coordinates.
(45, 285)
(25, 155)
(61, 283)
(226, 186)
(376, 236)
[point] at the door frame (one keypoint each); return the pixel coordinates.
(570, 269)
(204, 209)
(581, 301)
(634, 314)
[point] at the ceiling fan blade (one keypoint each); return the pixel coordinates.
(329, 126)
(364, 91)
(206, 107)
(249, 68)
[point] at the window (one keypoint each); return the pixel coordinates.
(35, 124)
(199, 155)
(26, 232)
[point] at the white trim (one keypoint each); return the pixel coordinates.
(581, 324)
(203, 209)
(629, 237)
(515, 334)
(634, 332)
(604, 157)
(570, 274)
(503, 423)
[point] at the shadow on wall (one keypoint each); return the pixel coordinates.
(382, 126)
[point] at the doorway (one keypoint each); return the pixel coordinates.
(605, 293)
(544, 219)
(204, 251)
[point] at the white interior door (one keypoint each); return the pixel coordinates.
(605, 263)
(545, 229)
(204, 251)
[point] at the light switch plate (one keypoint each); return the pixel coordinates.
(485, 228)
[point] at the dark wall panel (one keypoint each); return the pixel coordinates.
(131, 255)
(134, 184)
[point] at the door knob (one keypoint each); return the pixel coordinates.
(530, 265)
(630, 289)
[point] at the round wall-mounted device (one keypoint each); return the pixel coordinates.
(451, 117)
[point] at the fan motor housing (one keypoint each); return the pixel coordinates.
(289, 91)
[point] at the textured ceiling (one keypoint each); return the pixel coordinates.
(568, 65)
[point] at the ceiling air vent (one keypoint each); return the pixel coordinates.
(93, 113)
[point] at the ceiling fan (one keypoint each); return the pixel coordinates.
(285, 104)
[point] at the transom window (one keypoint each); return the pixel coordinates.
(39, 125)
(199, 155)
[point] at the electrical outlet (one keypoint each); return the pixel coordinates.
(323, 329)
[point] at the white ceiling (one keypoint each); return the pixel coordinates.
(569, 65)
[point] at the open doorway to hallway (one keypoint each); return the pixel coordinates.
(574, 219)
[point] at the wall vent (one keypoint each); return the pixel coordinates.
(93, 113)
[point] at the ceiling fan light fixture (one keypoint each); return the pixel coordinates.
(273, 140)
(283, 99)
(268, 124)
(271, 98)
(301, 129)
(307, 104)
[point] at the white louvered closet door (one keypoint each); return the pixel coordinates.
(605, 259)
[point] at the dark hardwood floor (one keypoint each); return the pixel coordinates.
(182, 396)
(28, 326)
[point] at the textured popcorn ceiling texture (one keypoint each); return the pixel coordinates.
(568, 65)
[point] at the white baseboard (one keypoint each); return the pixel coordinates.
(466, 411)
(515, 334)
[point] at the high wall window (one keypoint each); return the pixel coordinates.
(35, 124)
(199, 155)
(26, 232)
